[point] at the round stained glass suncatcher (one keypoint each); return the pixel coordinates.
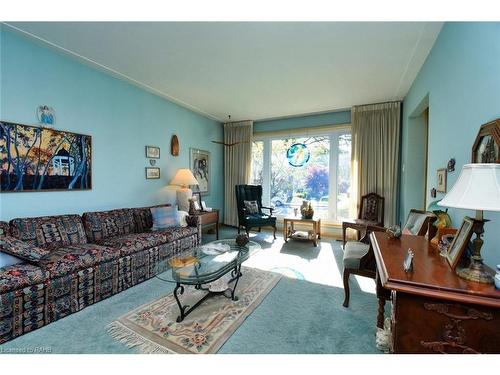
(298, 154)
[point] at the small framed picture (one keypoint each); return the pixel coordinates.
(197, 201)
(441, 180)
(459, 243)
(152, 173)
(152, 152)
(203, 206)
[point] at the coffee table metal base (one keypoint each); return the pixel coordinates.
(185, 310)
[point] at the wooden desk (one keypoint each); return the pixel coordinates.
(433, 310)
(209, 220)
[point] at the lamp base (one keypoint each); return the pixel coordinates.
(183, 197)
(476, 272)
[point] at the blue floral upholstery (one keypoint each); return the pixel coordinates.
(19, 276)
(106, 224)
(69, 259)
(49, 232)
(21, 249)
(81, 262)
(22, 300)
(134, 242)
(4, 229)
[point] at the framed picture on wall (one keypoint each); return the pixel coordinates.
(43, 159)
(152, 152)
(152, 173)
(199, 161)
(441, 180)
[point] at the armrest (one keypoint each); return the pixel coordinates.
(368, 229)
(269, 208)
(22, 250)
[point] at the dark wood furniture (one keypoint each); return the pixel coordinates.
(257, 219)
(314, 235)
(209, 220)
(371, 212)
(359, 259)
(434, 310)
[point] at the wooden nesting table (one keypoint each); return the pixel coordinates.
(313, 235)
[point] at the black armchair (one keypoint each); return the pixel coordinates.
(253, 220)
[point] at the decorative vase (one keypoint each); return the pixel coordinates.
(307, 212)
(241, 240)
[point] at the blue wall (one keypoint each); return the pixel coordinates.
(121, 119)
(330, 118)
(461, 77)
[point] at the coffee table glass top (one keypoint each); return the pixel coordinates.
(205, 263)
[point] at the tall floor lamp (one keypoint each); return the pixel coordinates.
(477, 188)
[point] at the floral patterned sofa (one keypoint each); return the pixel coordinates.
(74, 261)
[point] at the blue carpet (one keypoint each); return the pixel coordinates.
(297, 316)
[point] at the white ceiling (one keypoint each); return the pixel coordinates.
(253, 70)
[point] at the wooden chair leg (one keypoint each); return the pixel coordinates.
(274, 232)
(239, 229)
(381, 313)
(260, 229)
(248, 231)
(346, 288)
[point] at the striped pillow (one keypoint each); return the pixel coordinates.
(165, 217)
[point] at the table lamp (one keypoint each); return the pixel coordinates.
(184, 178)
(477, 188)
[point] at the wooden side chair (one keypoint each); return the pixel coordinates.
(371, 212)
(360, 260)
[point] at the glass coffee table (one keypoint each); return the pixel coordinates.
(204, 267)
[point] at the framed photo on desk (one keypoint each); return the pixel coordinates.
(459, 243)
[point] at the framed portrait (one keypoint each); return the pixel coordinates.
(152, 152)
(199, 161)
(459, 243)
(197, 201)
(36, 158)
(441, 180)
(152, 173)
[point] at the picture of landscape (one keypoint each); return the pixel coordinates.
(41, 159)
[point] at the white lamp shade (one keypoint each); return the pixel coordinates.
(184, 177)
(477, 188)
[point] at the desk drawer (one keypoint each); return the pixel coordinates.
(209, 218)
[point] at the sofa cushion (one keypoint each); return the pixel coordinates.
(19, 276)
(131, 243)
(21, 249)
(165, 217)
(105, 224)
(73, 258)
(143, 217)
(173, 234)
(49, 232)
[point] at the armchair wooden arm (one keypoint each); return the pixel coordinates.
(270, 209)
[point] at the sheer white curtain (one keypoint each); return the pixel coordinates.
(237, 164)
(375, 154)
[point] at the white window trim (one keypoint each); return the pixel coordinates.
(332, 131)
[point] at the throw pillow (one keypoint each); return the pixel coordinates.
(21, 249)
(251, 206)
(165, 217)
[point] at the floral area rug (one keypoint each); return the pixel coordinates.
(152, 328)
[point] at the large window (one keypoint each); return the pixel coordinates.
(323, 179)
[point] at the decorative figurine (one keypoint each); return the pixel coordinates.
(241, 240)
(408, 262)
(394, 231)
(433, 193)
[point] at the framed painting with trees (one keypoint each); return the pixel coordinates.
(41, 159)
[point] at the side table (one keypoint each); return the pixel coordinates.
(209, 220)
(313, 235)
